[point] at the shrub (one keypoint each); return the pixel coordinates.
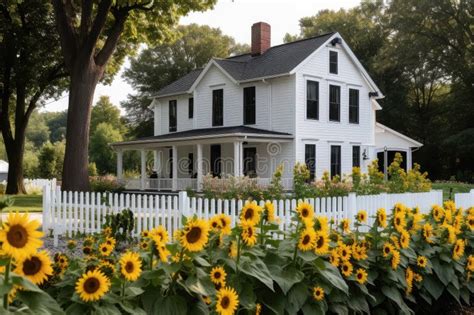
(106, 183)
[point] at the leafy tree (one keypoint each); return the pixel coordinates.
(50, 160)
(100, 152)
(158, 66)
(38, 131)
(106, 112)
(95, 38)
(56, 122)
(31, 71)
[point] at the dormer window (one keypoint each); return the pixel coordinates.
(333, 62)
(172, 115)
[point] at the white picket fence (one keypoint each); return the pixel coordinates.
(465, 200)
(68, 213)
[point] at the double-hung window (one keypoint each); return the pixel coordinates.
(335, 160)
(334, 103)
(190, 107)
(353, 106)
(310, 159)
(356, 156)
(249, 105)
(312, 99)
(172, 115)
(217, 107)
(333, 62)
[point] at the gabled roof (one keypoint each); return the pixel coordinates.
(384, 128)
(277, 60)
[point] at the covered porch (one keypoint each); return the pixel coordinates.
(182, 159)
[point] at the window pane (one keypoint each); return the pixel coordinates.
(335, 160)
(310, 159)
(172, 115)
(354, 106)
(334, 103)
(333, 62)
(191, 107)
(250, 162)
(191, 164)
(312, 100)
(218, 107)
(249, 105)
(356, 156)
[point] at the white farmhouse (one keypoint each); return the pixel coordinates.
(307, 101)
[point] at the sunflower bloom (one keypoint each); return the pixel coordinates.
(387, 249)
(404, 239)
(130, 266)
(318, 293)
(36, 268)
(215, 223)
(92, 286)
(428, 232)
(159, 234)
(218, 275)
(195, 235)
(306, 212)
(421, 261)
(409, 276)
(399, 222)
(361, 216)
(346, 269)
(345, 225)
(227, 301)
(20, 237)
(321, 246)
(470, 263)
(249, 235)
(395, 259)
(163, 252)
(334, 258)
(361, 275)
(470, 221)
(250, 213)
(458, 251)
(270, 212)
(307, 239)
(344, 252)
(437, 213)
(105, 249)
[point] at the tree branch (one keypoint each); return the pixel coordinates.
(112, 37)
(66, 31)
(98, 25)
(86, 18)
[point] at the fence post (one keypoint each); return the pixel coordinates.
(183, 203)
(46, 203)
(351, 205)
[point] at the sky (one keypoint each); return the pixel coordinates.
(235, 19)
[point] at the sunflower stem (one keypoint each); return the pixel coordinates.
(261, 231)
(122, 292)
(175, 276)
(296, 245)
(238, 256)
(6, 280)
(151, 254)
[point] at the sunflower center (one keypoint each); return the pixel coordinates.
(32, 266)
(225, 302)
(91, 285)
(320, 242)
(217, 275)
(397, 221)
(214, 224)
(305, 239)
(304, 213)
(387, 250)
(194, 235)
(359, 276)
(223, 223)
(250, 231)
(248, 214)
(129, 267)
(17, 236)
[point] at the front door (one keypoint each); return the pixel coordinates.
(250, 162)
(216, 160)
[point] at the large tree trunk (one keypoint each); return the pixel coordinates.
(15, 153)
(84, 78)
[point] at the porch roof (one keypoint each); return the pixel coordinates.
(208, 134)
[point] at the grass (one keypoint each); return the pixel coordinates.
(26, 203)
(450, 188)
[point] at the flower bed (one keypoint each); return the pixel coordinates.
(405, 262)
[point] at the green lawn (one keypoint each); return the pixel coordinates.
(450, 188)
(23, 203)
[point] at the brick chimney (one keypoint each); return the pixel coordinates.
(261, 38)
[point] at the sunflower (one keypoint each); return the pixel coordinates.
(306, 212)
(250, 213)
(321, 246)
(307, 239)
(409, 275)
(92, 286)
(334, 258)
(145, 245)
(227, 301)
(399, 222)
(359, 251)
(345, 225)
(109, 240)
(387, 249)
(470, 263)
(195, 235)
(421, 261)
(362, 216)
(404, 239)
(395, 259)
(87, 250)
(36, 268)
(451, 233)
(381, 218)
(470, 222)
(258, 309)
(344, 252)
(218, 275)
(417, 217)
(361, 275)
(232, 249)
(270, 212)
(215, 223)
(105, 249)
(249, 235)
(395, 241)
(107, 231)
(399, 208)
(130, 266)
(88, 241)
(107, 268)
(437, 213)
(225, 223)
(458, 249)
(318, 293)
(346, 269)
(20, 237)
(427, 232)
(163, 252)
(159, 234)
(71, 244)
(145, 233)
(417, 277)
(321, 223)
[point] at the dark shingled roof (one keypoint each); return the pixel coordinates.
(216, 131)
(277, 60)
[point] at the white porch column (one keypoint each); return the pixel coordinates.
(119, 164)
(199, 166)
(175, 168)
(143, 169)
(156, 160)
(241, 158)
(409, 159)
(237, 159)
